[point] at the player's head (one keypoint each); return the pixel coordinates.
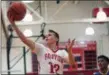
(52, 37)
(103, 61)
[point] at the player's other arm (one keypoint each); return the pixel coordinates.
(24, 39)
(70, 58)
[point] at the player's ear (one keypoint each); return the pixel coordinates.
(57, 39)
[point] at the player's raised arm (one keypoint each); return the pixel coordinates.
(23, 38)
(70, 59)
(16, 12)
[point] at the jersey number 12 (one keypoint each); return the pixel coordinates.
(53, 67)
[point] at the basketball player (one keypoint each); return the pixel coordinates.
(103, 63)
(49, 57)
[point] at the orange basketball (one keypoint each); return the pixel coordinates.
(16, 11)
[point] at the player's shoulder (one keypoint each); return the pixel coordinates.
(38, 43)
(41, 45)
(62, 50)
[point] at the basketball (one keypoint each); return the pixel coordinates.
(16, 11)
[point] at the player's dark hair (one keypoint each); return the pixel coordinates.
(104, 57)
(56, 35)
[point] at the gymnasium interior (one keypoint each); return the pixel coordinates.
(79, 19)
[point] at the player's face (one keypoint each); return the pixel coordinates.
(50, 38)
(102, 63)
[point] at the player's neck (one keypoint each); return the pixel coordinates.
(52, 47)
(104, 71)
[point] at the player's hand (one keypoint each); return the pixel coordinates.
(11, 19)
(70, 44)
(69, 49)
